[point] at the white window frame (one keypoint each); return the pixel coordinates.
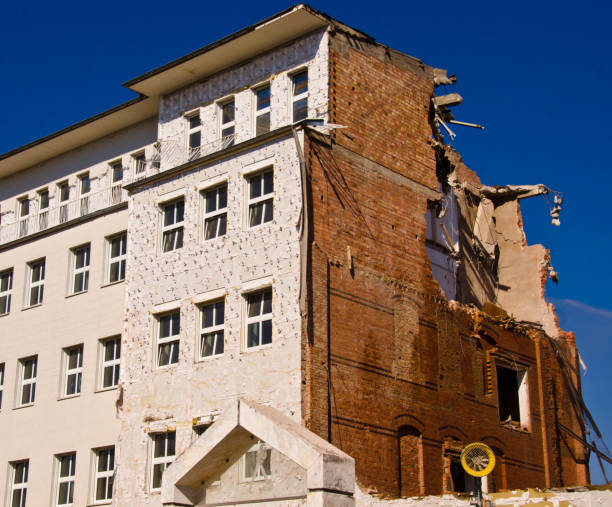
(116, 186)
(193, 152)
(175, 226)
(60, 479)
(301, 96)
(260, 473)
(21, 487)
(63, 200)
(23, 214)
(258, 319)
(84, 191)
(23, 382)
(106, 475)
(218, 212)
(139, 163)
(215, 329)
(83, 270)
(163, 461)
(263, 111)
(114, 363)
(251, 203)
(6, 293)
(522, 377)
(174, 340)
(43, 211)
(229, 139)
(2, 373)
(121, 259)
(38, 284)
(76, 371)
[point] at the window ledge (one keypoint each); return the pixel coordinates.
(96, 504)
(519, 429)
(165, 367)
(258, 348)
(103, 390)
(69, 397)
(31, 306)
(23, 406)
(109, 284)
(76, 294)
(204, 359)
(5, 314)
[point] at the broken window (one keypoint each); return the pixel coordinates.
(512, 396)
(461, 481)
(257, 462)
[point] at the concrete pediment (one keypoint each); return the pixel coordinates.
(330, 473)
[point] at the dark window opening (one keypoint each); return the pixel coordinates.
(462, 482)
(508, 395)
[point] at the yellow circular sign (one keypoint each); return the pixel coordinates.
(478, 459)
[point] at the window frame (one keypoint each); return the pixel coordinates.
(84, 191)
(522, 394)
(260, 318)
(263, 111)
(165, 460)
(121, 258)
(193, 152)
(43, 210)
(252, 202)
(23, 382)
(37, 284)
(7, 293)
(2, 375)
(226, 140)
(139, 161)
(175, 226)
(18, 486)
(214, 329)
(218, 212)
(114, 363)
(301, 96)
(68, 371)
(63, 199)
(60, 479)
(171, 339)
(116, 185)
(255, 448)
(106, 475)
(23, 215)
(83, 270)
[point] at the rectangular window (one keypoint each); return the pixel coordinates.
(36, 283)
(1, 382)
(117, 249)
(80, 269)
(19, 483)
(512, 396)
(194, 135)
(103, 474)
(6, 286)
(139, 163)
(262, 110)
(66, 469)
(212, 329)
(84, 189)
(168, 338)
(43, 209)
(27, 381)
(215, 212)
(162, 455)
(299, 99)
(260, 197)
(116, 170)
(110, 362)
(228, 123)
(257, 462)
(172, 225)
(24, 213)
(259, 318)
(64, 196)
(73, 370)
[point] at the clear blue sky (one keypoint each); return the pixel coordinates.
(531, 72)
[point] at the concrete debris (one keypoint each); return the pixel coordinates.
(440, 78)
(449, 100)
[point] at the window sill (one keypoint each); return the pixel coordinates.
(165, 367)
(23, 406)
(5, 314)
(69, 397)
(519, 429)
(203, 359)
(109, 284)
(258, 348)
(76, 294)
(31, 306)
(96, 504)
(103, 390)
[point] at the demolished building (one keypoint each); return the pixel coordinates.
(301, 287)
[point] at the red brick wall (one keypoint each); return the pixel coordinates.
(382, 349)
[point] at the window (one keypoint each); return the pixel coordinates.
(168, 338)
(512, 396)
(139, 163)
(80, 270)
(103, 474)
(64, 196)
(84, 189)
(1, 382)
(194, 135)
(43, 209)
(117, 248)
(6, 286)
(66, 468)
(116, 170)
(36, 283)
(24, 213)
(111, 361)
(228, 116)
(299, 99)
(19, 483)
(163, 450)
(215, 212)
(172, 228)
(212, 332)
(73, 365)
(257, 461)
(261, 197)
(262, 110)
(259, 318)
(27, 381)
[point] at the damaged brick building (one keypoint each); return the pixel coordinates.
(316, 285)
